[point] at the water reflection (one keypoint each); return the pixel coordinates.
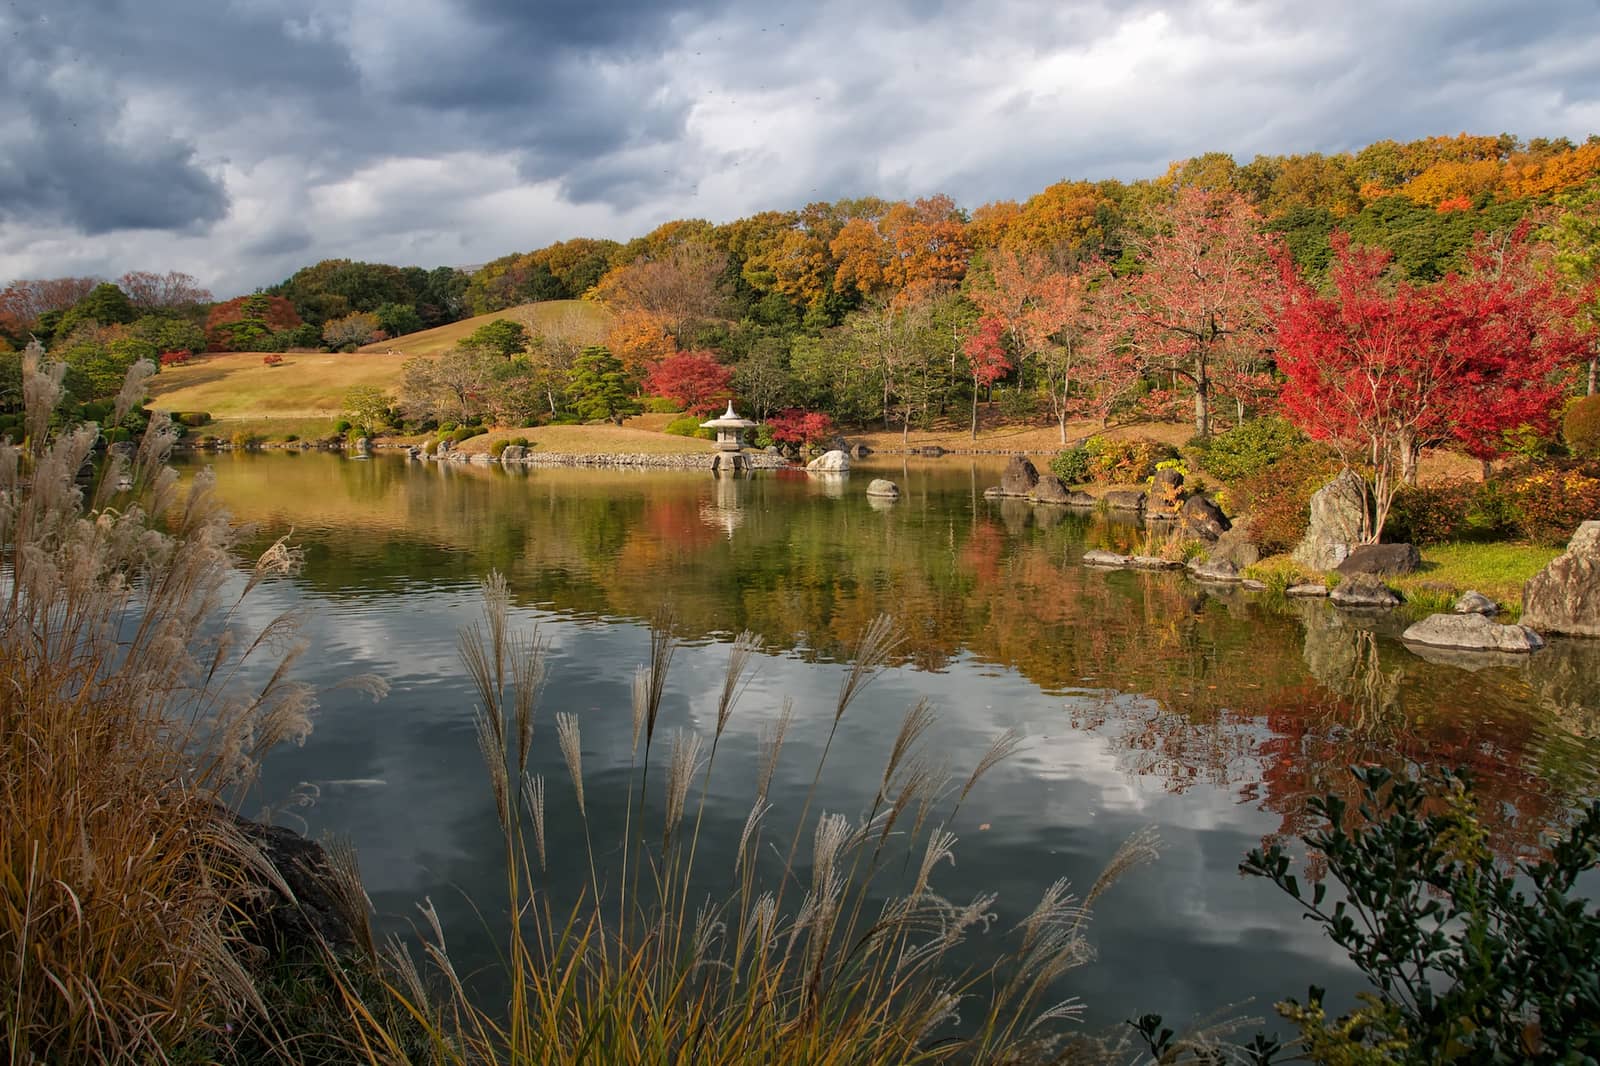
(1212, 712)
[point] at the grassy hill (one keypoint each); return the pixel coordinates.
(585, 318)
(305, 394)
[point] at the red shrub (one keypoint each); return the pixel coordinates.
(271, 359)
(794, 426)
(177, 358)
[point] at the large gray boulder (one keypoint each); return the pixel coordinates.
(836, 461)
(1100, 557)
(1365, 590)
(1381, 559)
(1020, 477)
(884, 489)
(514, 453)
(1216, 571)
(1235, 546)
(1474, 602)
(1124, 500)
(1203, 519)
(1338, 512)
(1471, 631)
(1051, 489)
(1564, 597)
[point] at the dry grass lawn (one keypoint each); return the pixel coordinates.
(237, 385)
(585, 318)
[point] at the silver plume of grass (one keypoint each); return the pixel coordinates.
(912, 726)
(686, 745)
(491, 745)
(745, 646)
(533, 797)
(877, 643)
(572, 751)
(771, 744)
(1003, 747)
(1143, 846)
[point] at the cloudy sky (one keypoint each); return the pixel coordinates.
(241, 139)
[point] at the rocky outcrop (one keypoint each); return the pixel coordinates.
(1216, 571)
(1365, 590)
(1564, 597)
(836, 461)
(514, 453)
(1050, 489)
(1154, 562)
(1124, 500)
(1165, 498)
(316, 911)
(1381, 559)
(1235, 546)
(1020, 477)
(1474, 602)
(1473, 632)
(1338, 512)
(1202, 519)
(1099, 557)
(883, 489)
(1306, 591)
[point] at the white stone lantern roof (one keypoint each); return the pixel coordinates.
(728, 420)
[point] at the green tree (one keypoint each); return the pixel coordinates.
(170, 334)
(599, 387)
(367, 408)
(398, 319)
(106, 305)
(503, 337)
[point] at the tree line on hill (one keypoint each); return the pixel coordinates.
(1087, 299)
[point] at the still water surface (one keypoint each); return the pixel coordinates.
(1146, 699)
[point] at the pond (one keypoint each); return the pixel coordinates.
(1146, 699)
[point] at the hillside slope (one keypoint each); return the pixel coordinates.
(585, 318)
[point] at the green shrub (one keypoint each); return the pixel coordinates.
(763, 436)
(1580, 427)
(1017, 405)
(246, 441)
(192, 419)
(498, 448)
(661, 405)
(341, 427)
(1248, 448)
(461, 433)
(116, 435)
(1071, 465)
(1125, 462)
(689, 426)
(290, 438)
(1470, 961)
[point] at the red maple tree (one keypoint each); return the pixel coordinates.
(694, 379)
(987, 358)
(1380, 372)
(1204, 294)
(796, 426)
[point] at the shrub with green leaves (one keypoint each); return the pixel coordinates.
(689, 426)
(1470, 960)
(1248, 448)
(1071, 465)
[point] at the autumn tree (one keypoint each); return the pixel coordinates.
(680, 286)
(1575, 233)
(640, 339)
(174, 290)
(1380, 370)
(453, 386)
(248, 323)
(987, 359)
(763, 380)
(1204, 292)
(694, 380)
(352, 331)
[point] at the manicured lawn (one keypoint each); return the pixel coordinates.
(1497, 569)
(593, 440)
(237, 386)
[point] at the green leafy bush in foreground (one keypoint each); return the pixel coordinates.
(1470, 961)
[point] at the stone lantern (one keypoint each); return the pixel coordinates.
(730, 457)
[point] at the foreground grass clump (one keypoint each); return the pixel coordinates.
(123, 722)
(848, 953)
(1497, 570)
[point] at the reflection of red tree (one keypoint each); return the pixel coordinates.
(674, 521)
(984, 548)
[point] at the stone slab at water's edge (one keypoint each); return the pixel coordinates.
(1473, 632)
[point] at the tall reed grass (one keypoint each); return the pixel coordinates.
(132, 703)
(849, 954)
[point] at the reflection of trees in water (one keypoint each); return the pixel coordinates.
(1270, 700)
